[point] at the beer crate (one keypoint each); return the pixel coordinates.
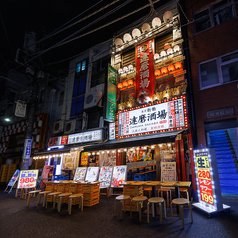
(89, 188)
(133, 190)
(90, 203)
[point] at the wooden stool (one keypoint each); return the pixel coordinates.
(122, 199)
(138, 199)
(184, 190)
(31, 193)
(169, 194)
(153, 201)
(148, 190)
(180, 202)
(76, 195)
(39, 197)
(60, 196)
(54, 194)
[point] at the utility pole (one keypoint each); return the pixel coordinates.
(30, 120)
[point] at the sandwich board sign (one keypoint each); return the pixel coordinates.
(12, 181)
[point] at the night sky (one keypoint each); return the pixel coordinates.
(45, 16)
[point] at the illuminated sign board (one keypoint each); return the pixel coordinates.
(85, 137)
(204, 177)
(27, 179)
(163, 116)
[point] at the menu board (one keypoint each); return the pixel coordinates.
(84, 158)
(119, 176)
(80, 174)
(204, 177)
(92, 174)
(105, 177)
(69, 160)
(168, 171)
(14, 178)
(27, 179)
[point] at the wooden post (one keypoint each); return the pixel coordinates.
(177, 159)
(182, 160)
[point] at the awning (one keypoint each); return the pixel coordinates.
(151, 139)
(60, 151)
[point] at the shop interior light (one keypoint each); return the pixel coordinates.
(160, 145)
(108, 151)
(89, 154)
(103, 152)
(98, 153)
(152, 147)
(169, 145)
(93, 153)
(125, 149)
(119, 150)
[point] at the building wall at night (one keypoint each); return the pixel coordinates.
(207, 44)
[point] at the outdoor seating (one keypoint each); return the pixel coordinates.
(153, 201)
(54, 195)
(60, 196)
(122, 199)
(139, 199)
(30, 194)
(180, 202)
(70, 201)
(168, 193)
(184, 190)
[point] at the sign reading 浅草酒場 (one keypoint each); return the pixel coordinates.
(163, 116)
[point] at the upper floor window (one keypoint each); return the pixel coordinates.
(220, 70)
(213, 15)
(81, 68)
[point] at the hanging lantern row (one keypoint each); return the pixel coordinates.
(168, 69)
(126, 70)
(168, 52)
(125, 84)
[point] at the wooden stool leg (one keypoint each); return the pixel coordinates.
(148, 212)
(54, 201)
(59, 204)
(38, 200)
(171, 211)
(16, 194)
(115, 207)
(70, 205)
(164, 210)
(153, 210)
(160, 212)
(107, 193)
(140, 211)
(81, 203)
(124, 205)
(28, 199)
(121, 209)
(131, 209)
(167, 198)
(25, 193)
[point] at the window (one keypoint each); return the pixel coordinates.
(77, 106)
(223, 69)
(79, 86)
(61, 98)
(81, 68)
(99, 72)
(94, 119)
(213, 15)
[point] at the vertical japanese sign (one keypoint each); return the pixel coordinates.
(168, 171)
(27, 150)
(27, 179)
(204, 177)
(111, 93)
(145, 71)
(84, 158)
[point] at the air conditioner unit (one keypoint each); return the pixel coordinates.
(58, 127)
(72, 126)
(92, 99)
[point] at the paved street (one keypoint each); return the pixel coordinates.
(16, 220)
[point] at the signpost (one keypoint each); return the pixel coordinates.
(12, 181)
(208, 184)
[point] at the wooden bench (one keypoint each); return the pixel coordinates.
(30, 194)
(71, 197)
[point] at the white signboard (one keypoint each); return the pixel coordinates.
(27, 179)
(168, 171)
(152, 118)
(20, 110)
(112, 131)
(92, 174)
(105, 177)
(85, 137)
(119, 176)
(80, 174)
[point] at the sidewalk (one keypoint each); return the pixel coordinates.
(16, 220)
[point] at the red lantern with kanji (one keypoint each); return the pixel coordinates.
(125, 84)
(157, 72)
(171, 68)
(164, 70)
(119, 85)
(178, 65)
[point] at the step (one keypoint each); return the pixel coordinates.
(217, 132)
(228, 176)
(223, 152)
(227, 165)
(225, 149)
(227, 171)
(226, 156)
(219, 143)
(224, 161)
(229, 183)
(217, 139)
(229, 190)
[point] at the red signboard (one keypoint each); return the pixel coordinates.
(64, 140)
(145, 71)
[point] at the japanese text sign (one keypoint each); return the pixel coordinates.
(84, 158)
(145, 71)
(85, 137)
(27, 179)
(105, 176)
(157, 117)
(168, 171)
(80, 174)
(204, 177)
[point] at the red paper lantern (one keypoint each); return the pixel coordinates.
(171, 68)
(119, 85)
(125, 84)
(130, 82)
(157, 72)
(178, 65)
(164, 70)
